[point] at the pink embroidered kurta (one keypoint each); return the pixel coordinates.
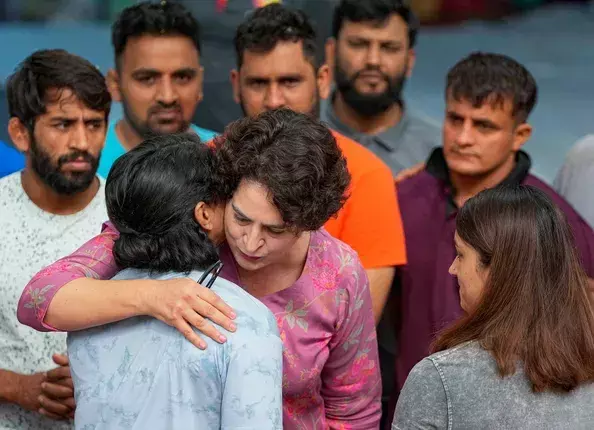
(331, 371)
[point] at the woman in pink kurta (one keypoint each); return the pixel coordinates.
(324, 314)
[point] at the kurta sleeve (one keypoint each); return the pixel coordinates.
(92, 260)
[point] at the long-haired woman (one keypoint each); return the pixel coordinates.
(523, 355)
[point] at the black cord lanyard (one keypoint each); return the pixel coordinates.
(213, 271)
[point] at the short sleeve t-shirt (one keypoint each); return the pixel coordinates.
(113, 149)
(31, 240)
(370, 221)
(401, 146)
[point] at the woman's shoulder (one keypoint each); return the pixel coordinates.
(334, 261)
(454, 369)
(467, 355)
(468, 366)
(326, 246)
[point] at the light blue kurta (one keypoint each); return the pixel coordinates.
(143, 374)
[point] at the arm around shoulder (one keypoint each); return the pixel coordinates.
(75, 293)
(94, 260)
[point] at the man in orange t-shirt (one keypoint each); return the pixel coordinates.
(364, 221)
(277, 67)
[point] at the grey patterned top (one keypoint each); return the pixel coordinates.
(461, 389)
(143, 374)
(32, 239)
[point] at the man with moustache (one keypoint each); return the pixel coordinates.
(59, 106)
(157, 76)
(372, 54)
(278, 65)
(489, 98)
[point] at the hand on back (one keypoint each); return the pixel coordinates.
(183, 303)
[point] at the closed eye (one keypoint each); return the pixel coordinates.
(240, 219)
(276, 231)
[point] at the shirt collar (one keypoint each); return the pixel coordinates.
(437, 167)
(389, 139)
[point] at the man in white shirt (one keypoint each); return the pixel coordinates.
(59, 106)
(576, 178)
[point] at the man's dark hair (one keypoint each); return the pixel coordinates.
(154, 19)
(40, 79)
(151, 193)
(377, 12)
(269, 25)
(493, 78)
(295, 157)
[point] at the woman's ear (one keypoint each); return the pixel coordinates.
(210, 218)
(204, 216)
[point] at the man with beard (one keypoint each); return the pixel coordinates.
(157, 76)
(488, 101)
(278, 66)
(372, 54)
(59, 106)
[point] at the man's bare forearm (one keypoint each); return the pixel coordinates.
(9, 385)
(380, 281)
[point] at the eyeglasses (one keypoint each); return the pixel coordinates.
(213, 271)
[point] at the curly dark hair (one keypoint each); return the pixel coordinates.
(375, 11)
(151, 193)
(493, 78)
(156, 19)
(28, 88)
(295, 156)
(269, 25)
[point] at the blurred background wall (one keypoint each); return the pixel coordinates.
(555, 40)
